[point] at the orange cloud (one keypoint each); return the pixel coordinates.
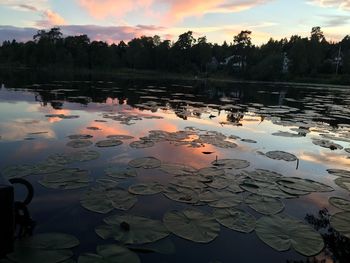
(104, 8)
(50, 18)
(174, 10)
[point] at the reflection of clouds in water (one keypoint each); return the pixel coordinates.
(22, 128)
(330, 159)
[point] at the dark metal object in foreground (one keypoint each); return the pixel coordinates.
(6, 217)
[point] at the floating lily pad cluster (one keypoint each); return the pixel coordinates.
(129, 119)
(45, 247)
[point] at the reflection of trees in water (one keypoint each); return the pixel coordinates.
(337, 246)
(235, 117)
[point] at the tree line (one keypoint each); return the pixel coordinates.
(297, 56)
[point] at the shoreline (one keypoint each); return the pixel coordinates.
(164, 75)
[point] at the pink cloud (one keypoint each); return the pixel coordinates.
(104, 8)
(50, 18)
(172, 10)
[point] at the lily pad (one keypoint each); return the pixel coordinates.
(282, 232)
(129, 229)
(79, 143)
(264, 175)
(103, 200)
(302, 184)
(108, 143)
(192, 225)
(340, 203)
(80, 136)
(142, 144)
(78, 156)
(50, 241)
(30, 255)
(339, 172)
(47, 167)
(264, 188)
(327, 144)
(181, 194)
(146, 188)
(341, 223)
(343, 183)
(120, 137)
(177, 169)
(120, 173)
(280, 155)
(69, 178)
(235, 219)
(110, 253)
(227, 201)
(231, 163)
(264, 204)
(145, 162)
(17, 171)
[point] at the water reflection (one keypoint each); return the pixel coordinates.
(136, 107)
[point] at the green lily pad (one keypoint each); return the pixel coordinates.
(264, 188)
(108, 143)
(264, 175)
(17, 171)
(181, 194)
(340, 203)
(79, 143)
(146, 188)
(231, 163)
(192, 225)
(227, 201)
(145, 162)
(120, 173)
(45, 168)
(339, 172)
(282, 232)
(129, 229)
(280, 155)
(177, 169)
(69, 178)
(50, 241)
(210, 172)
(327, 144)
(110, 253)
(189, 181)
(341, 223)
(142, 144)
(30, 255)
(343, 183)
(264, 204)
(103, 200)
(80, 136)
(120, 137)
(302, 184)
(78, 156)
(235, 219)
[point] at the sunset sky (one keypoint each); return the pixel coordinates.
(219, 20)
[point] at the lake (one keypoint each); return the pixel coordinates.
(181, 171)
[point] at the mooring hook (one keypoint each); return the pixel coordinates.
(30, 189)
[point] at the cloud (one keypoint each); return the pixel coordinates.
(104, 33)
(50, 18)
(341, 4)
(171, 10)
(336, 20)
(104, 8)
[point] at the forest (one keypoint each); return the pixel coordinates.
(296, 58)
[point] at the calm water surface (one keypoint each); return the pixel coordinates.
(32, 129)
